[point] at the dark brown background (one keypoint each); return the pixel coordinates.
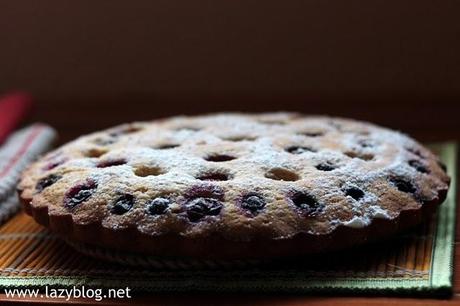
(92, 64)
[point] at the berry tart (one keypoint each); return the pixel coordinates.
(234, 186)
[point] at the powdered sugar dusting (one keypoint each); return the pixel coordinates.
(357, 222)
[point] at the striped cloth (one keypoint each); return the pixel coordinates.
(21, 148)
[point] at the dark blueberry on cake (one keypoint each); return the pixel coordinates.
(201, 207)
(111, 163)
(158, 206)
(403, 185)
(306, 202)
(79, 193)
(122, 204)
(417, 165)
(299, 150)
(47, 181)
(253, 202)
(325, 167)
(355, 193)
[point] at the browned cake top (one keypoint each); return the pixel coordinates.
(240, 176)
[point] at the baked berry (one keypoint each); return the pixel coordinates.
(122, 204)
(205, 190)
(403, 185)
(158, 206)
(54, 163)
(111, 163)
(355, 193)
(79, 193)
(307, 203)
(417, 165)
(325, 167)
(201, 207)
(253, 202)
(47, 181)
(299, 150)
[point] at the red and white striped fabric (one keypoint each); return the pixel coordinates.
(14, 107)
(21, 148)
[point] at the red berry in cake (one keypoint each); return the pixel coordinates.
(79, 193)
(111, 163)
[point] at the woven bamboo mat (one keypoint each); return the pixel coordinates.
(416, 261)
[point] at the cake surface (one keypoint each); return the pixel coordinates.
(235, 185)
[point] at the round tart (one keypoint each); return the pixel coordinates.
(235, 186)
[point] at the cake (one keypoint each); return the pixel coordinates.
(235, 186)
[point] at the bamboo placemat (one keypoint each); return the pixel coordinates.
(418, 261)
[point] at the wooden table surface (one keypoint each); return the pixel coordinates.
(426, 120)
